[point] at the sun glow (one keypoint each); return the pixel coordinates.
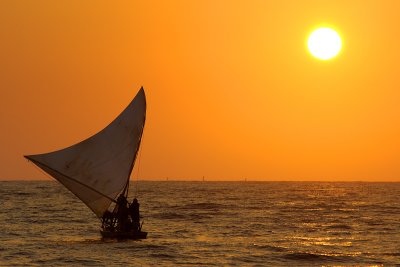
(324, 43)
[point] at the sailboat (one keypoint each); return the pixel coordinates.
(97, 170)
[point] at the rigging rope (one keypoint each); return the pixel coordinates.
(136, 194)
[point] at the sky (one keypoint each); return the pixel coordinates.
(232, 91)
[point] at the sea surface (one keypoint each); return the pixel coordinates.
(209, 224)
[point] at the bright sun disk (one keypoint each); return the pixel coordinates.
(324, 43)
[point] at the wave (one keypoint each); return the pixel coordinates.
(204, 206)
(270, 248)
(340, 226)
(396, 254)
(68, 261)
(23, 194)
(308, 256)
(169, 216)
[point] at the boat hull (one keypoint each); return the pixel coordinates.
(124, 235)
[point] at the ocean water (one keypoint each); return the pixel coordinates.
(210, 224)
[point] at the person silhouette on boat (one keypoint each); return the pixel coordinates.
(135, 215)
(108, 220)
(122, 213)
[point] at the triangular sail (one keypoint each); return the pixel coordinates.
(97, 169)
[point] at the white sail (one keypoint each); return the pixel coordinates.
(97, 169)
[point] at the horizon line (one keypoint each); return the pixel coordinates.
(214, 180)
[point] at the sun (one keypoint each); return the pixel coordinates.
(324, 43)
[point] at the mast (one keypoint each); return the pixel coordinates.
(126, 188)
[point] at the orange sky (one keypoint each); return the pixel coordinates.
(232, 91)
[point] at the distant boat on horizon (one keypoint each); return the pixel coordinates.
(97, 171)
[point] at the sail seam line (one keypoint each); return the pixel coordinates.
(66, 176)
